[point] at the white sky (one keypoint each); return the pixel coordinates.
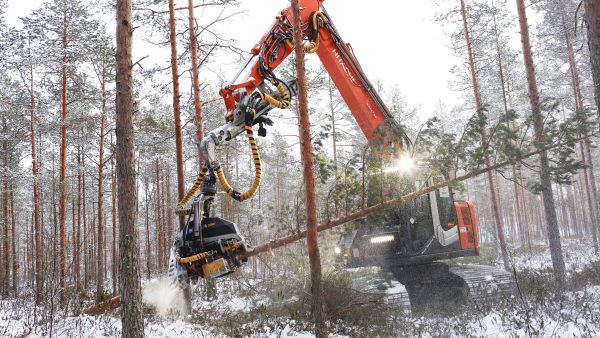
(396, 42)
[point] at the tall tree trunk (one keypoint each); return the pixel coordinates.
(169, 228)
(176, 108)
(318, 308)
(591, 205)
(147, 222)
(195, 77)
(39, 251)
(115, 249)
(86, 239)
(63, 168)
(573, 209)
(15, 256)
(77, 258)
(538, 124)
(131, 290)
(484, 141)
(101, 228)
(163, 244)
(515, 170)
(159, 221)
(592, 15)
(578, 97)
(6, 246)
(593, 187)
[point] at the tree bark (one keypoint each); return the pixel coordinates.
(159, 221)
(77, 258)
(115, 249)
(131, 291)
(318, 308)
(592, 15)
(147, 222)
(195, 78)
(163, 257)
(63, 168)
(86, 239)
(6, 246)
(176, 108)
(169, 229)
(39, 256)
(15, 257)
(595, 209)
(479, 106)
(538, 124)
(101, 253)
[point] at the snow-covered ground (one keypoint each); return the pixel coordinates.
(277, 308)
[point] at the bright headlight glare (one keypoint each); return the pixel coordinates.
(337, 250)
(406, 164)
(382, 239)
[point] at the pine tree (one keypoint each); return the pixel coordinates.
(484, 137)
(540, 142)
(131, 290)
(318, 309)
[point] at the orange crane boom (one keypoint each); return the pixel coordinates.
(371, 114)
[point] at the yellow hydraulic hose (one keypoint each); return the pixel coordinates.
(284, 103)
(191, 259)
(182, 208)
(257, 171)
(312, 46)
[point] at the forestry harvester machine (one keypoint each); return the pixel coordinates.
(431, 228)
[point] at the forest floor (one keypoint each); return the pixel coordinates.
(358, 303)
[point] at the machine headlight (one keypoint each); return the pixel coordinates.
(406, 164)
(337, 250)
(382, 239)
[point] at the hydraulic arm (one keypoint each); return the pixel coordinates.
(209, 247)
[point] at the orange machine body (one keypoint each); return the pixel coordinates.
(467, 225)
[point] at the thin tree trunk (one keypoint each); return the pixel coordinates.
(115, 249)
(573, 209)
(591, 205)
(86, 239)
(594, 187)
(159, 220)
(39, 251)
(101, 252)
(318, 308)
(538, 124)
(6, 253)
(147, 222)
(169, 228)
(176, 108)
(15, 257)
(483, 133)
(195, 77)
(592, 16)
(63, 169)
(591, 195)
(77, 271)
(163, 253)
(131, 291)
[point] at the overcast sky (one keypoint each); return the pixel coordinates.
(396, 42)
